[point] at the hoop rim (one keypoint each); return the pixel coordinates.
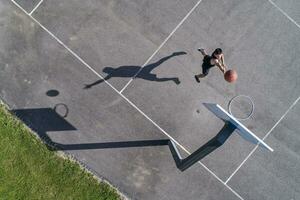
(236, 97)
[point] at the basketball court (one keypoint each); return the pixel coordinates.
(147, 53)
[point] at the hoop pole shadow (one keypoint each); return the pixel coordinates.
(43, 120)
(182, 164)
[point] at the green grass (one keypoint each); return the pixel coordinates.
(28, 170)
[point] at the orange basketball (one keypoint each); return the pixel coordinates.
(230, 76)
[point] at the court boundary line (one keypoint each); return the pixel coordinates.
(268, 133)
(161, 45)
(284, 13)
(282, 117)
(124, 97)
(36, 7)
(180, 23)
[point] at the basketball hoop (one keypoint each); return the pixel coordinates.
(240, 102)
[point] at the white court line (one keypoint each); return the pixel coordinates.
(162, 44)
(36, 7)
(125, 98)
(188, 14)
(285, 14)
(236, 170)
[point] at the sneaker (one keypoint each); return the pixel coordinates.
(201, 50)
(197, 79)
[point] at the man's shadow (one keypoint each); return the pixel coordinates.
(137, 72)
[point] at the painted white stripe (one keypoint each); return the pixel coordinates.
(125, 98)
(246, 130)
(237, 169)
(282, 117)
(162, 44)
(36, 7)
(284, 13)
(20, 7)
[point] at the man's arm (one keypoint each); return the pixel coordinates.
(221, 67)
(223, 61)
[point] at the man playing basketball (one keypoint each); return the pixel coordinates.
(217, 58)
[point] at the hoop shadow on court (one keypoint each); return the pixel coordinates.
(138, 71)
(43, 120)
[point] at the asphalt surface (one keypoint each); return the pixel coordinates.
(69, 45)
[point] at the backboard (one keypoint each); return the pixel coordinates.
(241, 129)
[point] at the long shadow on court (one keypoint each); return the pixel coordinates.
(43, 120)
(143, 73)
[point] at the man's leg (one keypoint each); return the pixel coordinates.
(205, 71)
(203, 52)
